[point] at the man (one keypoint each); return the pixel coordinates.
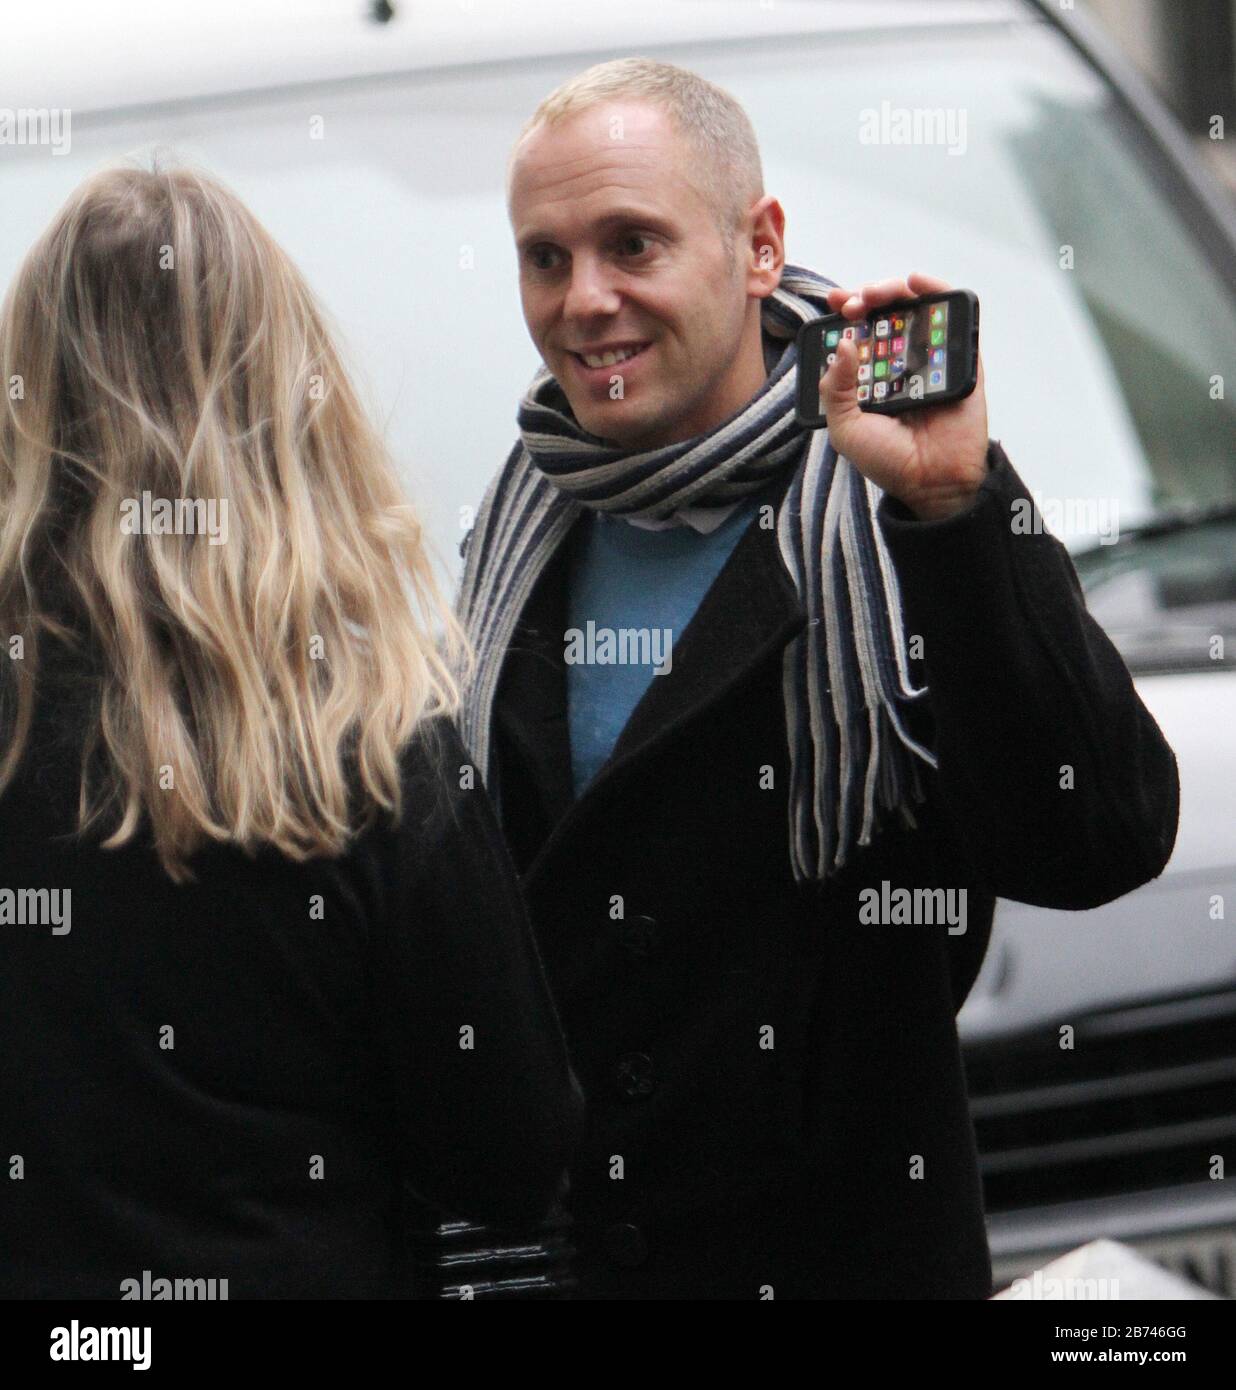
(733, 712)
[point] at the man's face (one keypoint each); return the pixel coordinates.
(620, 256)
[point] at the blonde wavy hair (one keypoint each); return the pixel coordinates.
(157, 341)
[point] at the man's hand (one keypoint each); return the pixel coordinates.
(933, 459)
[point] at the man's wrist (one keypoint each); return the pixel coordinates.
(938, 508)
(938, 504)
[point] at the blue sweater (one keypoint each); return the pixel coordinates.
(624, 577)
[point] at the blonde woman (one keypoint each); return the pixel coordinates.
(264, 968)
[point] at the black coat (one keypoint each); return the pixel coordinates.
(293, 1036)
(793, 1168)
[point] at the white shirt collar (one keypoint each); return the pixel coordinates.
(705, 520)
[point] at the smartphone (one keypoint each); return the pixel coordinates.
(911, 354)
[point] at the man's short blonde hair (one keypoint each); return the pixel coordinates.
(727, 168)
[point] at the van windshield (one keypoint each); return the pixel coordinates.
(1105, 327)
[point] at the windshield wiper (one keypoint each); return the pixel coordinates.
(1165, 524)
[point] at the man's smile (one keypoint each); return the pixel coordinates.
(595, 361)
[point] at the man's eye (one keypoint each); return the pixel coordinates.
(543, 257)
(633, 244)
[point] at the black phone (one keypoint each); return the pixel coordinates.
(914, 353)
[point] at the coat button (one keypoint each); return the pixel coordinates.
(639, 936)
(625, 1244)
(633, 1076)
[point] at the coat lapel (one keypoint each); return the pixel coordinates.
(750, 612)
(530, 714)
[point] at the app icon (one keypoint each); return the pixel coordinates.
(864, 393)
(881, 369)
(937, 314)
(899, 344)
(848, 333)
(864, 373)
(937, 356)
(899, 364)
(898, 325)
(862, 330)
(882, 349)
(830, 359)
(881, 328)
(864, 352)
(935, 379)
(830, 339)
(897, 386)
(881, 390)
(937, 336)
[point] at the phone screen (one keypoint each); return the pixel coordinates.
(904, 351)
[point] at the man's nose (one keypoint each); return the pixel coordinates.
(591, 293)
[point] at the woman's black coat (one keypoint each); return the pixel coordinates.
(840, 1161)
(217, 1081)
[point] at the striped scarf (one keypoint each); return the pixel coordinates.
(844, 677)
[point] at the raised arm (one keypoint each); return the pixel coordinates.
(1062, 788)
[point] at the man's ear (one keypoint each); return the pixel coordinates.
(766, 246)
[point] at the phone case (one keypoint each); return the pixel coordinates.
(962, 346)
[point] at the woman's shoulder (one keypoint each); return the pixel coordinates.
(435, 752)
(443, 860)
(443, 798)
(435, 769)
